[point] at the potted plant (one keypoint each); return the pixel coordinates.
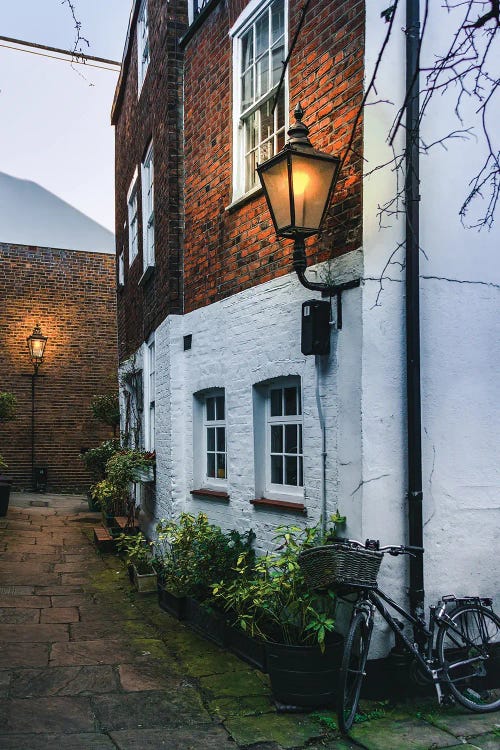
(137, 552)
(272, 604)
(191, 555)
(95, 460)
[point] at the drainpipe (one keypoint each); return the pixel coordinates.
(415, 522)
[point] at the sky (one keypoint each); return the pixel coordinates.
(54, 118)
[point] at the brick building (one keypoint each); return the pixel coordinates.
(71, 294)
(246, 427)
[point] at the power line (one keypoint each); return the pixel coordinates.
(79, 58)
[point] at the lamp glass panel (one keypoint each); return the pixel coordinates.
(275, 180)
(37, 345)
(311, 179)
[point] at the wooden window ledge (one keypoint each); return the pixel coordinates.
(264, 502)
(211, 494)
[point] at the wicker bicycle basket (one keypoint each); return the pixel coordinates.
(335, 565)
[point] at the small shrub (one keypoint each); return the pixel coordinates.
(106, 409)
(137, 551)
(95, 459)
(8, 404)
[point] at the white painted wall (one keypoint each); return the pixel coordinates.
(460, 347)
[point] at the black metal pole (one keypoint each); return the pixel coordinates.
(33, 482)
(415, 496)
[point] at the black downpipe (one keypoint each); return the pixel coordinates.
(412, 197)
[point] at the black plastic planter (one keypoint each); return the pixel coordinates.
(301, 676)
(4, 497)
(247, 648)
(207, 622)
(174, 605)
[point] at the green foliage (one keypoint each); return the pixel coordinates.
(8, 404)
(192, 554)
(108, 497)
(271, 599)
(124, 467)
(95, 459)
(106, 409)
(136, 550)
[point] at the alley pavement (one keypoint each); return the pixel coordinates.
(87, 664)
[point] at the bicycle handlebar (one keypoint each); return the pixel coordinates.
(374, 544)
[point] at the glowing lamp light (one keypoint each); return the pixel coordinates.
(36, 345)
(298, 183)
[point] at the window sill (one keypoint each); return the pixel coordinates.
(211, 494)
(148, 272)
(244, 199)
(264, 502)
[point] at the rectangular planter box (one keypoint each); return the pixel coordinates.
(246, 647)
(174, 605)
(210, 624)
(145, 583)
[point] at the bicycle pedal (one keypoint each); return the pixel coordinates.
(447, 700)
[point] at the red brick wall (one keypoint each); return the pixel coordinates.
(156, 114)
(224, 251)
(72, 295)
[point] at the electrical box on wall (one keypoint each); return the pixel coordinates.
(315, 327)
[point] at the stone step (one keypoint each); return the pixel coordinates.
(103, 539)
(124, 524)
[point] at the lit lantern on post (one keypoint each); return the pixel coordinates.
(36, 346)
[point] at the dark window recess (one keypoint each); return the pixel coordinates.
(188, 341)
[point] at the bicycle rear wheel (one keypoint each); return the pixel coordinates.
(352, 671)
(468, 649)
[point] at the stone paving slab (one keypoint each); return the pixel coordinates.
(9, 590)
(155, 676)
(59, 615)
(13, 615)
(44, 715)
(33, 633)
(39, 579)
(63, 681)
(23, 655)
(5, 678)
(24, 601)
(150, 709)
(199, 738)
(97, 629)
(107, 652)
(287, 730)
(463, 723)
(413, 734)
(484, 742)
(59, 590)
(56, 741)
(71, 600)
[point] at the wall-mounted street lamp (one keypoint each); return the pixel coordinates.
(298, 184)
(36, 345)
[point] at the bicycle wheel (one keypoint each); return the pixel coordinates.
(352, 671)
(468, 649)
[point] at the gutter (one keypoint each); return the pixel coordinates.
(414, 413)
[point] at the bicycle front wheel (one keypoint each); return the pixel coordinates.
(352, 671)
(468, 648)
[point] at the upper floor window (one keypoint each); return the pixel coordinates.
(148, 217)
(195, 7)
(121, 269)
(133, 244)
(259, 49)
(150, 395)
(142, 44)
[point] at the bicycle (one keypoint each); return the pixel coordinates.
(456, 651)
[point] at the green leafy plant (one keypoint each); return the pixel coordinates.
(192, 554)
(124, 467)
(137, 551)
(95, 459)
(271, 600)
(8, 404)
(106, 409)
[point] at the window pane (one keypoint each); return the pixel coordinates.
(278, 56)
(276, 405)
(250, 132)
(221, 465)
(300, 439)
(291, 470)
(250, 170)
(280, 109)
(211, 439)
(221, 439)
(247, 89)
(290, 401)
(266, 150)
(210, 409)
(210, 464)
(247, 50)
(262, 76)
(266, 121)
(301, 473)
(262, 34)
(299, 399)
(276, 438)
(277, 469)
(277, 20)
(220, 407)
(291, 438)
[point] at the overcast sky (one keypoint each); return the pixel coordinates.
(55, 119)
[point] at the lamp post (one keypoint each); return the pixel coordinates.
(36, 345)
(298, 184)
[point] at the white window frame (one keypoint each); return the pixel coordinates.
(263, 422)
(121, 268)
(201, 445)
(143, 47)
(148, 215)
(253, 11)
(133, 219)
(149, 394)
